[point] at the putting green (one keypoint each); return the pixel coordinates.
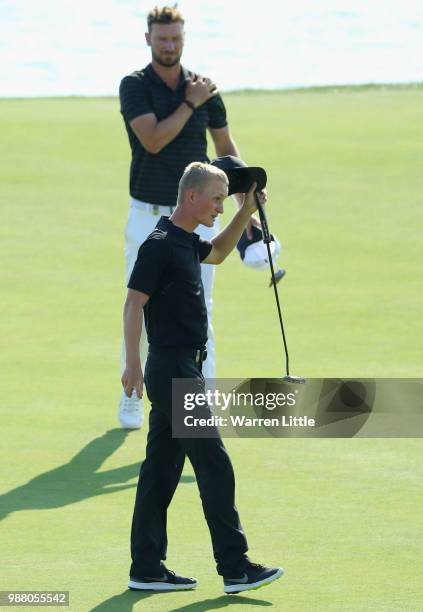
(345, 199)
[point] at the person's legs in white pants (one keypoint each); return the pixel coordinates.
(207, 276)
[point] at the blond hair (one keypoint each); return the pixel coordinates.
(196, 176)
(164, 14)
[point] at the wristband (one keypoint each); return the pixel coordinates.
(189, 103)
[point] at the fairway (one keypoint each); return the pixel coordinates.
(346, 201)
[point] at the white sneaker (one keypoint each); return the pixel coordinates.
(131, 411)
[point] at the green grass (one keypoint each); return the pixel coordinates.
(345, 198)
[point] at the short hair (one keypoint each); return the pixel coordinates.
(164, 14)
(196, 176)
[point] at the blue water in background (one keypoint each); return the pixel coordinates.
(63, 47)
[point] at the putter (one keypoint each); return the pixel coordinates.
(279, 273)
(296, 380)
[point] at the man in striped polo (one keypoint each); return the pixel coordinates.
(167, 111)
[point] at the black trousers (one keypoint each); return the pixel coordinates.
(161, 471)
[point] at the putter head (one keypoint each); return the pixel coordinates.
(278, 275)
(294, 380)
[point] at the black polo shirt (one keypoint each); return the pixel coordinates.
(168, 270)
(155, 178)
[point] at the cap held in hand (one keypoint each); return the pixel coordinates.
(254, 253)
(240, 176)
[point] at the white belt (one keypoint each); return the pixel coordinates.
(152, 209)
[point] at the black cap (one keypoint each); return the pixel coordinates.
(244, 242)
(240, 176)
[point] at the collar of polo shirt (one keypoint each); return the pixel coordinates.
(184, 76)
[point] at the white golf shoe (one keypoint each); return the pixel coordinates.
(131, 411)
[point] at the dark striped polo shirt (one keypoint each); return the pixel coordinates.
(154, 178)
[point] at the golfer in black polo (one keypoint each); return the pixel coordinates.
(166, 283)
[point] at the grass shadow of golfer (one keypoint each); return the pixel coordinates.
(125, 602)
(222, 601)
(76, 480)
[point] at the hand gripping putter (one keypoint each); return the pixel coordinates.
(241, 177)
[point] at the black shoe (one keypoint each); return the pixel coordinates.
(253, 577)
(166, 580)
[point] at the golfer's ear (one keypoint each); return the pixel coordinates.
(190, 195)
(148, 38)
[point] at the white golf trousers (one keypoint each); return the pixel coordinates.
(142, 219)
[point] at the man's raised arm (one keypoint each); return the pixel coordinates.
(227, 239)
(154, 134)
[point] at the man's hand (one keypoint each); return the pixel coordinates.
(249, 200)
(133, 378)
(199, 90)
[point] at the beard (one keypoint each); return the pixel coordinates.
(167, 61)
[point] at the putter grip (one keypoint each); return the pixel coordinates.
(267, 238)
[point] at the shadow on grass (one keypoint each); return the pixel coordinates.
(223, 601)
(125, 602)
(76, 480)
